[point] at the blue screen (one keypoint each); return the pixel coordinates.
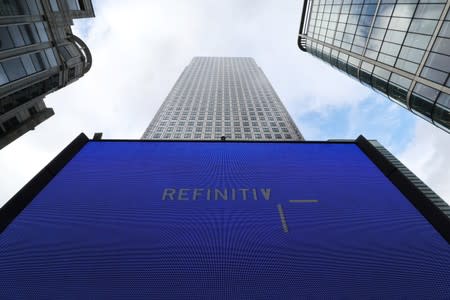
(222, 220)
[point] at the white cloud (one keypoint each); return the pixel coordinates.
(139, 49)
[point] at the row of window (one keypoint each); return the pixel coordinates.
(340, 2)
(19, 67)
(34, 7)
(431, 105)
(249, 101)
(20, 7)
(437, 66)
(72, 4)
(419, 11)
(335, 58)
(218, 136)
(13, 122)
(392, 85)
(405, 60)
(345, 31)
(425, 101)
(231, 101)
(193, 90)
(23, 95)
(395, 33)
(400, 23)
(207, 103)
(406, 57)
(211, 110)
(240, 86)
(221, 129)
(219, 118)
(15, 36)
(8, 125)
(227, 124)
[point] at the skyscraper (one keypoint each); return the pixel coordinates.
(219, 97)
(399, 48)
(38, 55)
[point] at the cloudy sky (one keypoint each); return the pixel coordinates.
(140, 48)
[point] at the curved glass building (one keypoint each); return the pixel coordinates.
(38, 55)
(399, 48)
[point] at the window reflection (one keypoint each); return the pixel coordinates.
(434, 75)
(14, 69)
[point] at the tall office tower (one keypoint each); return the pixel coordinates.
(38, 55)
(219, 97)
(400, 48)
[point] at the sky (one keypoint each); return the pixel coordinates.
(140, 47)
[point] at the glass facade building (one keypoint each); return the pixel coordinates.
(219, 97)
(401, 48)
(38, 55)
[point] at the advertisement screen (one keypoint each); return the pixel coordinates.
(222, 220)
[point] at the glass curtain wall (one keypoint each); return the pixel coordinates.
(400, 48)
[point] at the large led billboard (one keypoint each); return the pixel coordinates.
(172, 220)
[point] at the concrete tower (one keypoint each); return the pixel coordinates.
(219, 97)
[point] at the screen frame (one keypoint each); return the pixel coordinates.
(433, 208)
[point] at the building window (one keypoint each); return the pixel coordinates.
(14, 69)
(32, 110)
(35, 7)
(10, 124)
(5, 39)
(16, 36)
(29, 33)
(3, 77)
(19, 7)
(28, 64)
(38, 61)
(41, 31)
(54, 5)
(52, 59)
(74, 4)
(65, 53)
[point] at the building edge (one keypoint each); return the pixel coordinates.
(301, 43)
(24, 197)
(427, 202)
